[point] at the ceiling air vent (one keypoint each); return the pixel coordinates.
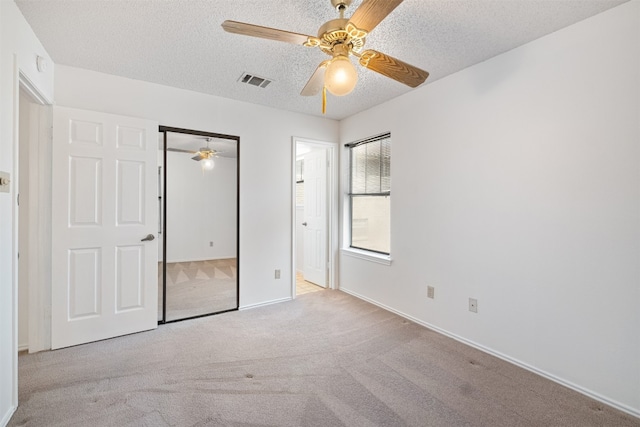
(254, 80)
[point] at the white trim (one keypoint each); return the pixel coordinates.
(13, 191)
(332, 208)
(23, 347)
(367, 255)
(262, 304)
(32, 90)
(7, 416)
(39, 216)
(589, 393)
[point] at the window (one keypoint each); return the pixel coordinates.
(370, 194)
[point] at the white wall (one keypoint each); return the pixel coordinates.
(516, 182)
(18, 50)
(265, 160)
(201, 208)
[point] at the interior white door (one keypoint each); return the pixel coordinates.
(104, 277)
(315, 217)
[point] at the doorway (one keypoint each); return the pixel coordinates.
(315, 216)
(33, 213)
(198, 182)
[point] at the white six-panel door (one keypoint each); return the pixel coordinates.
(315, 217)
(104, 277)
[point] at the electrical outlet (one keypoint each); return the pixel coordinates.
(431, 292)
(210, 244)
(473, 305)
(277, 274)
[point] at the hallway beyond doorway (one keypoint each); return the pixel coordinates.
(304, 287)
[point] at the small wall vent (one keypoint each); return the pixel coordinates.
(252, 79)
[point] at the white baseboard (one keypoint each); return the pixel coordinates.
(23, 347)
(610, 402)
(262, 304)
(7, 416)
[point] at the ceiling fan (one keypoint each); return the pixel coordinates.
(340, 38)
(204, 154)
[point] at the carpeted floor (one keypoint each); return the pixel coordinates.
(323, 359)
(198, 287)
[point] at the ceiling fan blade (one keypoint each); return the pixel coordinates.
(198, 157)
(393, 68)
(180, 150)
(315, 83)
(372, 12)
(264, 32)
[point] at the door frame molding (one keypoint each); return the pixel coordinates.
(39, 222)
(332, 209)
(20, 80)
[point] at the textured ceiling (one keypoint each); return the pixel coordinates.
(180, 43)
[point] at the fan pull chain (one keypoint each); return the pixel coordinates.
(324, 99)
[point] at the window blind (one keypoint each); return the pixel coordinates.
(371, 166)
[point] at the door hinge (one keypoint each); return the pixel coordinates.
(18, 199)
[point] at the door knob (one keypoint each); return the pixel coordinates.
(149, 238)
(304, 223)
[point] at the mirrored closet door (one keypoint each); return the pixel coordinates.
(198, 203)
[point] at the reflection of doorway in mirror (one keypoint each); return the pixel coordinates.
(198, 269)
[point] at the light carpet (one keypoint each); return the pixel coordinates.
(195, 288)
(323, 359)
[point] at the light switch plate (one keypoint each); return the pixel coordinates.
(5, 177)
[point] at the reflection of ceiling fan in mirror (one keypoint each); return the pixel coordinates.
(341, 38)
(204, 154)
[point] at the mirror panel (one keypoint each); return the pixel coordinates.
(200, 225)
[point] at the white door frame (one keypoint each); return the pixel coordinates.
(39, 224)
(332, 208)
(39, 219)
(22, 81)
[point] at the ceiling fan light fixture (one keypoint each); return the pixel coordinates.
(340, 38)
(340, 77)
(208, 164)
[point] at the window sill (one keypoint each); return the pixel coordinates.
(367, 256)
